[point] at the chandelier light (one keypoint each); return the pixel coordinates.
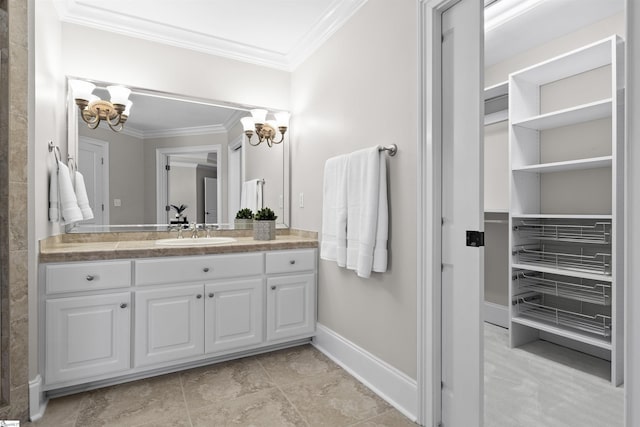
(265, 129)
(94, 110)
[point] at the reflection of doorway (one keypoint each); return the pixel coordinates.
(211, 200)
(180, 173)
(235, 177)
(93, 164)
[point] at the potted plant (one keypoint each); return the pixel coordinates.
(264, 225)
(244, 219)
(179, 210)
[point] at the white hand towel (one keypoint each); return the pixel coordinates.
(364, 192)
(81, 196)
(70, 212)
(251, 195)
(54, 203)
(334, 210)
(382, 228)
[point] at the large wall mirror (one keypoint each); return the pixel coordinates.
(172, 152)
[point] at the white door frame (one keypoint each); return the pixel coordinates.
(161, 174)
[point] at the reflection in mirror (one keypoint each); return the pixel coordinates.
(173, 150)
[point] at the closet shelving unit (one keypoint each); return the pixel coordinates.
(567, 239)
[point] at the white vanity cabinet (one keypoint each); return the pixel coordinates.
(88, 334)
(291, 291)
(112, 320)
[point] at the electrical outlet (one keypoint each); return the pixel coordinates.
(301, 200)
(117, 202)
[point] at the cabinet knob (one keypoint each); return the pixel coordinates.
(206, 269)
(123, 305)
(273, 288)
(293, 261)
(90, 277)
(210, 294)
(199, 296)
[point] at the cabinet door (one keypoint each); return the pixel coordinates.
(87, 336)
(291, 306)
(169, 324)
(233, 314)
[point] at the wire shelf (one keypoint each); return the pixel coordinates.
(599, 262)
(597, 324)
(580, 290)
(597, 232)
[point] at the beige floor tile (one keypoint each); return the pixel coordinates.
(267, 408)
(224, 381)
(335, 399)
(294, 364)
(61, 412)
(391, 418)
(171, 421)
(134, 403)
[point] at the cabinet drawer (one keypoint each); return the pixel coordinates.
(87, 276)
(290, 261)
(201, 268)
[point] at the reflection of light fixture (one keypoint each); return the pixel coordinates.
(94, 110)
(266, 130)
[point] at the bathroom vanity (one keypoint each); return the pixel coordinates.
(120, 310)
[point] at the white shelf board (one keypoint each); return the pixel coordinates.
(569, 116)
(560, 331)
(559, 271)
(497, 90)
(587, 58)
(496, 211)
(561, 216)
(570, 165)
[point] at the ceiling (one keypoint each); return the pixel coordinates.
(282, 33)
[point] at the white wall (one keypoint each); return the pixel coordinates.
(357, 90)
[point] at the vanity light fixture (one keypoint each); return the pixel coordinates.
(93, 110)
(265, 129)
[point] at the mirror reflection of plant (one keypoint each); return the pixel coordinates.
(245, 213)
(265, 214)
(179, 209)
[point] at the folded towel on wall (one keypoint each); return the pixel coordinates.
(81, 196)
(69, 210)
(367, 212)
(251, 195)
(333, 246)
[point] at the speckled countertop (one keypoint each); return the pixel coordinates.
(101, 246)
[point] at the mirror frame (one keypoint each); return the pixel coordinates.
(72, 149)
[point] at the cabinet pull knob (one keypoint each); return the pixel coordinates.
(210, 294)
(206, 269)
(293, 261)
(273, 288)
(123, 305)
(90, 277)
(199, 296)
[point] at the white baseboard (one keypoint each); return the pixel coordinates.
(496, 314)
(37, 402)
(389, 383)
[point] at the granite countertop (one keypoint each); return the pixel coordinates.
(94, 247)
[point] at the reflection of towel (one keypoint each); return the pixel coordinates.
(54, 204)
(367, 216)
(334, 210)
(70, 212)
(81, 195)
(251, 196)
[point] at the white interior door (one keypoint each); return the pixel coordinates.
(462, 211)
(211, 200)
(93, 164)
(234, 180)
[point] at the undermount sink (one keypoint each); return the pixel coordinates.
(202, 241)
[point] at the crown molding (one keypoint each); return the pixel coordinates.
(196, 130)
(101, 18)
(233, 119)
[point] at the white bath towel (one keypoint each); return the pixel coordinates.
(54, 203)
(69, 210)
(367, 216)
(251, 196)
(81, 196)
(334, 210)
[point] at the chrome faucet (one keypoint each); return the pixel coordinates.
(177, 228)
(194, 230)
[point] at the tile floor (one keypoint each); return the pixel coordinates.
(536, 385)
(292, 387)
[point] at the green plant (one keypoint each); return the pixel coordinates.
(245, 213)
(265, 214)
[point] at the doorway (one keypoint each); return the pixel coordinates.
(93, 164)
